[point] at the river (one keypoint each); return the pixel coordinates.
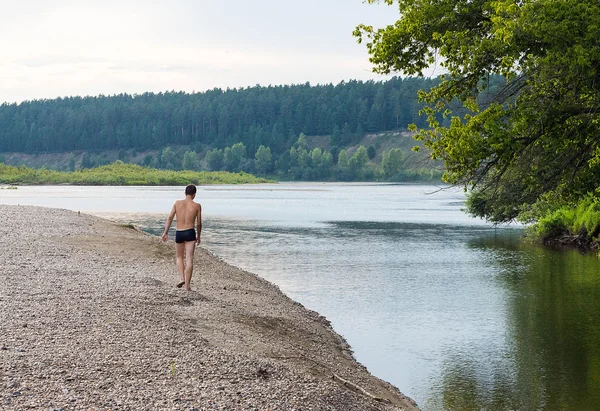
(458, 314)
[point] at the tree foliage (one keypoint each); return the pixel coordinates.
(392, 162)
(358, 161)
(342, 160)
(86, 160)
(263, 160)
(372, 152)
(272, 116)
(190, 161)
(534, 139)
(235, 157)
(214, 159)
(168, 159)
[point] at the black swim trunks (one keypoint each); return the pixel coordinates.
(185, 235)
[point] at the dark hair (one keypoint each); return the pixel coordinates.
(190, 190)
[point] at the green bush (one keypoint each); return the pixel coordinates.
(582, 218)
(119, 173)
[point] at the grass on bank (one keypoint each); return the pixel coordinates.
(120, 174)
(581, 220)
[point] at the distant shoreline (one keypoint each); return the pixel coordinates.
(121, 174)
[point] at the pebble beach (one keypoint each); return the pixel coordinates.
(90, 319)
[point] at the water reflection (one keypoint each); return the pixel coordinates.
(552, 357)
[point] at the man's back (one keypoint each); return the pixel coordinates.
(186, 211)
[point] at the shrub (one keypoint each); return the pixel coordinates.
(580, 219)
(119, 173)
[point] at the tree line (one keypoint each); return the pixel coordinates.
(271, 116)
(299, 162)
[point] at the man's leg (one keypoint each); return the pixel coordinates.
(190, 246)
(180, 247)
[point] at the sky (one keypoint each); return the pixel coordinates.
(63, 48)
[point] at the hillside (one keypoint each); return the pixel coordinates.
(379, 142)
(272, 116)
(350, 131)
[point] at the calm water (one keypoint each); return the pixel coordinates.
(457, 314)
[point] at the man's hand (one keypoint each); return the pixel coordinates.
(165, 237)
(198, 240)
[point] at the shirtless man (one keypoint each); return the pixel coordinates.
(187, 212)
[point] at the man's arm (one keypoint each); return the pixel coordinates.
(199, 223)
(165, 235)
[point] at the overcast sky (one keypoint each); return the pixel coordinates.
(65, 47)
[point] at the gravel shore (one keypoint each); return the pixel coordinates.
(90, 319)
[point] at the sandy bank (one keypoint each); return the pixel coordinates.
(90, 319)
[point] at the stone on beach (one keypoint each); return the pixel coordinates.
(90, 319)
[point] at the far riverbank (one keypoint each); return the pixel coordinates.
(120, 174)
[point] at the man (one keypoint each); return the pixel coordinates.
(187, 212)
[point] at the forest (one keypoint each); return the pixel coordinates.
(259, 130)
(272, 116)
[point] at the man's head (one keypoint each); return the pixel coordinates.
(190, 190)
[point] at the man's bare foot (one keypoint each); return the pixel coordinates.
(188, 289)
